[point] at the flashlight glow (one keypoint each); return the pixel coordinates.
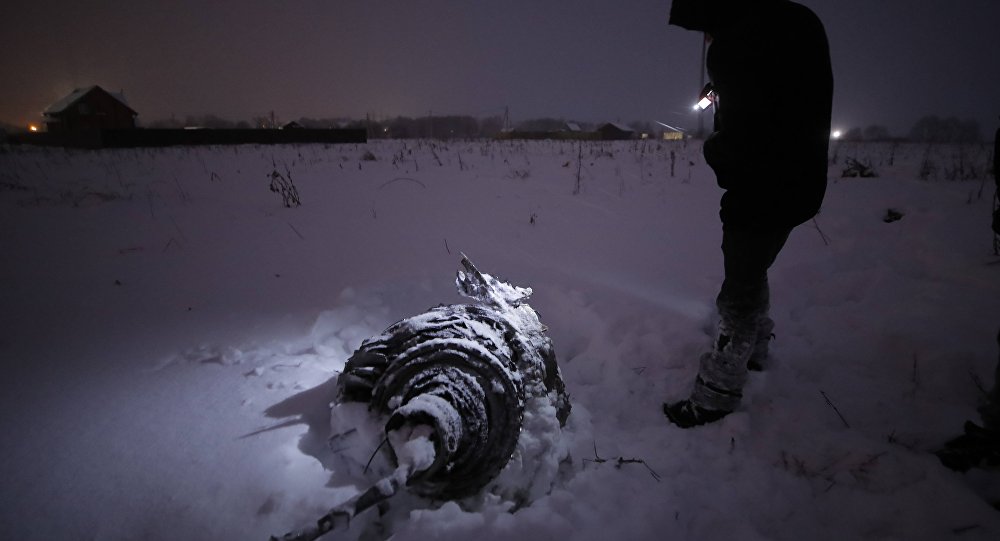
(836, 134)
(33, 128)
(706, 99)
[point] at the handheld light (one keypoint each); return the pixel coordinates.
(706, 99)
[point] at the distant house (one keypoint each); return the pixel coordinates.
(573, 127)
(89, 109)
(293, 125)
(613, 131)
(673, 134)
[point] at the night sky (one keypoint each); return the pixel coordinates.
(590, 60)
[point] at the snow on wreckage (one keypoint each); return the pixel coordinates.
(471, 398)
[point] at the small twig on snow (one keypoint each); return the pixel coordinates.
(296, 230)
(622, 460)
(652, 473)
(978, 383)
(828, 401)
(579, 169)
(826, 240)
(384, 184)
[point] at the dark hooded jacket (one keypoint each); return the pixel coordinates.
(769, 63)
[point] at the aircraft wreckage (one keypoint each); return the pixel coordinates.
(463, 393)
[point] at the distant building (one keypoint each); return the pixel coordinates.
(89, 109)
(673, 134)
(613, 131)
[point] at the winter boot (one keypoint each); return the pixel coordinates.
(990, 412)
(685, 414)
(718, 388)
(977, 447)
(761, 349)
(722, 374)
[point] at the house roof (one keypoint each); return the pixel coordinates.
(617, 126)
(76, 95)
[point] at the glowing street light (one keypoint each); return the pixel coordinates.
(32, 128)
(836, 134)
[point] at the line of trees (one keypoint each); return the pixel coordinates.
(400, 127)
(928, 129)
(441, 127)
(932, 129)
(450, 126)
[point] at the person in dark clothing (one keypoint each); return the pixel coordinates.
(996, 158)
(996, 194)
(990, 413)
(979, 446)
(769, 67)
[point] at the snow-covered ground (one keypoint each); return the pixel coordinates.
(171, 335)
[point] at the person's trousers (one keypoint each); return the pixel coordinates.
(743, 304)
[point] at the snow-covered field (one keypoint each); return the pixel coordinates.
(171, 335)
